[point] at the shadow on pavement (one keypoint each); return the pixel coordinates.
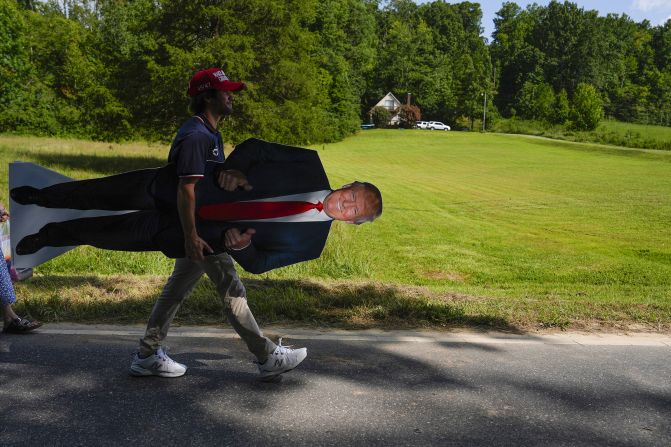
(75, 390)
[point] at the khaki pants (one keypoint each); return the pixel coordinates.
(221, 270)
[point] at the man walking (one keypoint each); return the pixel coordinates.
(197, 142)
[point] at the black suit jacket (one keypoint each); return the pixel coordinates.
(273, 170)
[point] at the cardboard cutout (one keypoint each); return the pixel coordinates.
(29, 219)
(142, 209)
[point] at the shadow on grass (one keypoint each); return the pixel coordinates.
(350, 305)
(103, 164)
(53, 298)
(358, 305)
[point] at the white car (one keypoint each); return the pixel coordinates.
(437, 125)
(422, 124)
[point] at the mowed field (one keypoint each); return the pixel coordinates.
(478, 229)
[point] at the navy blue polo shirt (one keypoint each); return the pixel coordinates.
(196, 142)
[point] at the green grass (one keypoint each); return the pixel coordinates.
(657, 133)
(477, 229)
(608, 132)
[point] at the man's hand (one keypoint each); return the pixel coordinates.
(234, 240)
(231, 179)
(196, 248)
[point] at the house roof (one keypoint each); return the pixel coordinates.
(391, 96)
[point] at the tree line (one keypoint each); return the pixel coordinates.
(118, 69)
(546, 55)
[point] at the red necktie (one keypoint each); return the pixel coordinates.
(255, 210)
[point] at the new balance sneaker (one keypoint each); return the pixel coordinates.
(157, 364)
(281, 360)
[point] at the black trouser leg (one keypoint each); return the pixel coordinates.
(125, 232)
(127, 191)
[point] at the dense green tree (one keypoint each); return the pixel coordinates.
(536, 101)
(661, 44)
(346, 57)
(14, 64)
(568, 37)
(563, 45)
(114, 69)
(435, 52)
(473, 69)
(401, 50)
(61, 83)
(65, 61)
(517, 61)
(586, 108)
(561, 108)
(380, 116)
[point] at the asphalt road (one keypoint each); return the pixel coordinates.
(70, 386)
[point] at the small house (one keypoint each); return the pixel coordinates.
(391, 103)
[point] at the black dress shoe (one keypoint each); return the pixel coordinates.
(26, 195)
(30, 244)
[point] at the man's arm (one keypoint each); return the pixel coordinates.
(194, 246)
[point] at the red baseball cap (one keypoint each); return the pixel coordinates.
(212, 79)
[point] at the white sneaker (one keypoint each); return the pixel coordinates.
(157, 364)
(281, 360)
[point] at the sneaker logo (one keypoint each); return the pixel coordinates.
(278, 362)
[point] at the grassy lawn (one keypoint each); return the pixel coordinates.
(478, 229)
(658, 133)
(608, 132)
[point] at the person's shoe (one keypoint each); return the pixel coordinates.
(30, 244)
(21, 326)
(157, 364)
(26, 195)
(281, 360)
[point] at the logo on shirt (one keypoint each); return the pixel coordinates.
(215, 151)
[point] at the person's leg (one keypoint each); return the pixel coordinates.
(183, 279)
(273, 360)
(125, 232)
(11, 321)
(127, 191)
(221, 270)
(7, 294)
(8, 314)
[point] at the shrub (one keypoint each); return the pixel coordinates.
(381, 117)
(409, 115)
(586, 109)
(561, 108)
(536, 101)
